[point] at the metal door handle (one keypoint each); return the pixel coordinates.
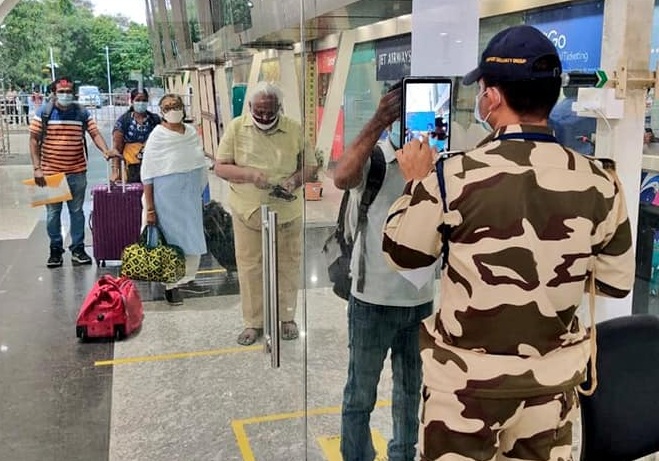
(274, 291)
(270, 286)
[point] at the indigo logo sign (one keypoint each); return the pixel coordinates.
(575, 31)
(559, 40)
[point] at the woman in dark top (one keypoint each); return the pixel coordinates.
(132, 130)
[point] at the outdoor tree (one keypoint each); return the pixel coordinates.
(78, 40)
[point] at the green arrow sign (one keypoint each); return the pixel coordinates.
(602, 78)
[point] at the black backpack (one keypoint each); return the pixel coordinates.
(338, 249)
(45, 118)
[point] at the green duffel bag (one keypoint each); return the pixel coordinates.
(152, 259)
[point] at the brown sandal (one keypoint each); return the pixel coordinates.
(249, 336)
(289, 330)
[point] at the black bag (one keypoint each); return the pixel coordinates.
(338, 247)
(218, 230)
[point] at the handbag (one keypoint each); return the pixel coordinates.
(152, 259)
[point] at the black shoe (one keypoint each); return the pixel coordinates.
(55, 259)
(79, 257)
(194, 288)
(173, 297)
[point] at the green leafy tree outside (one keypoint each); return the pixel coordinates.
(78, 40)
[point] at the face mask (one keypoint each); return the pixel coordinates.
(265, 126)
(433, 143)
(394, 134)
(477, 113)
(64, 99)
(140, 106)
(173, 116)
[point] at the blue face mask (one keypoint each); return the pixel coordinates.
(433, 143)
(140, 106)
(64, 99)
(394, 134)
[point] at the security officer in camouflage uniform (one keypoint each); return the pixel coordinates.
(531, 222)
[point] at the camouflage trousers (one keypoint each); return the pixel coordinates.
(459, 428)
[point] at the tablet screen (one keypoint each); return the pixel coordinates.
(426, 107)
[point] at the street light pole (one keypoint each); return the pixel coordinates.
(52, 65)
(107, 61)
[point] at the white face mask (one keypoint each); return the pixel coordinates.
(265, 126)
(173, 116)
(477, 113)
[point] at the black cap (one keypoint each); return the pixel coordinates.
(512, 54)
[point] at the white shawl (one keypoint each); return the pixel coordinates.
(168, 152)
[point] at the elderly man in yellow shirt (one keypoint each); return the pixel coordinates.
(260, 150)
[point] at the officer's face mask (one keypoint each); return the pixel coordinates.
(477, 113)
(394, 134)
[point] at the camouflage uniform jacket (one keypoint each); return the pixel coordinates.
(531, 220)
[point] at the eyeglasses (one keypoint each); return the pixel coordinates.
(64, 90)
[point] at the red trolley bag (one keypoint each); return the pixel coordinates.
(116, 218)
(112, 309)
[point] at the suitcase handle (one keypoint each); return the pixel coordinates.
(122, 168)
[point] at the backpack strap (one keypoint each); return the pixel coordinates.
(374, 180)
(45, 118)
(80, 116)
(444, 229)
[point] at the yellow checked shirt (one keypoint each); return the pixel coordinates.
(275, 153)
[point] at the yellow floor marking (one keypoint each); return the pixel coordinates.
(331, 446)
(212, 271)
(176, 356)
(238, 425)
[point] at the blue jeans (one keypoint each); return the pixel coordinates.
(78, 185)
(372, 331)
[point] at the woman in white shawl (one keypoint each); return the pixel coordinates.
(174, 176)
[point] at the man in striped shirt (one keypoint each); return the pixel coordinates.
(63, 151)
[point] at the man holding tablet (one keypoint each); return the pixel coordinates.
(529, 226)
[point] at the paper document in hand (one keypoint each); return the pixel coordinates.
(56, 190)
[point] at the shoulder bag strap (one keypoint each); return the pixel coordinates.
(444, 229)
(374, 180)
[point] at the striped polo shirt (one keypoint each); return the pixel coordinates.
(63, 148)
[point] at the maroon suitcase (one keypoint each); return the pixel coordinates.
(116, 219)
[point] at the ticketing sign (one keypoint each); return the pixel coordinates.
(576, 31)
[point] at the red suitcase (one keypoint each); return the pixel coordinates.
(111, 309)
(116, 219)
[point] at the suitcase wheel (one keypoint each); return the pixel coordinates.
(119, 331)
(81, 333)
(100, 263)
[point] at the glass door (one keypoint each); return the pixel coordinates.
(264, 137)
